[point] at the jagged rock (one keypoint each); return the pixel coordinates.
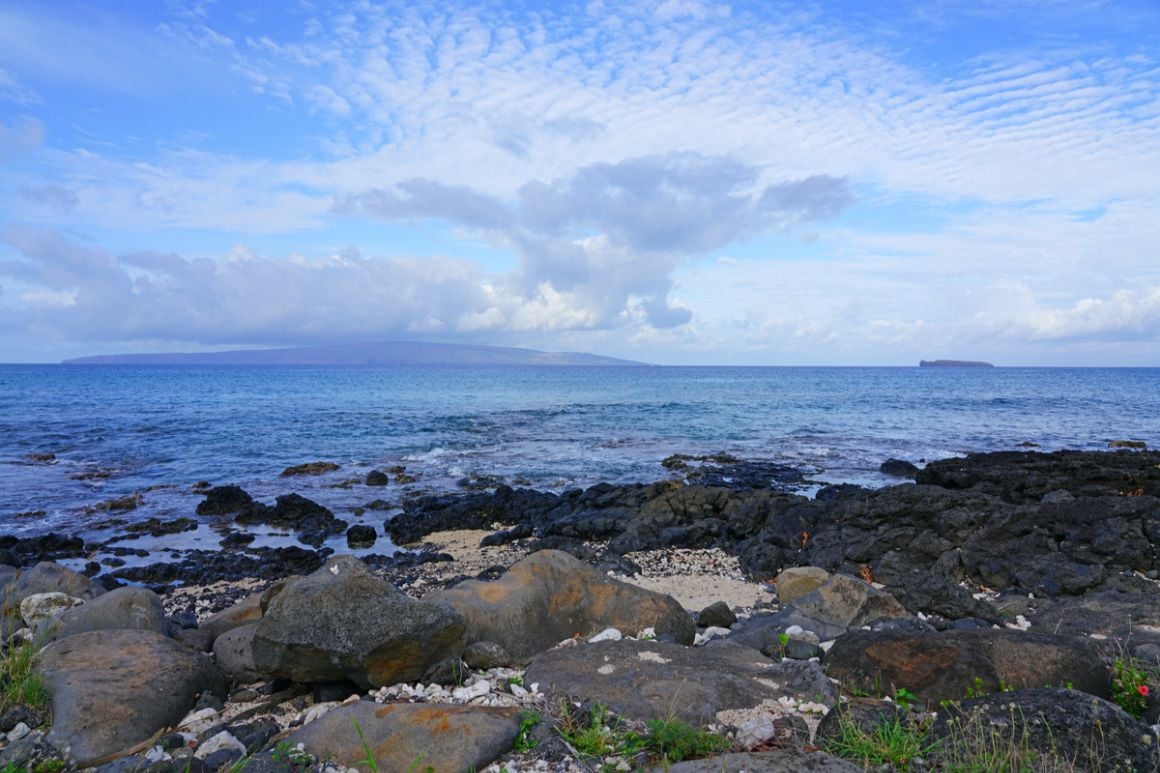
(550, 596)
(1062, 726)
(124, 608)
(309, 468)
(343, 622)
(897, 468)
(223, 500)
(111, 689)
(1121, 620)
(411, 736)
(946, 665)
(1025, 477)
(360, 536)
(649, 680)
(797, 581)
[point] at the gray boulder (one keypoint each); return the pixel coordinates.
(797, 581)
(551, 596)
(447, 739)
(657, 680)
(234, 653)
(1067, 728)
(344, 622)
(780, 761)
(112, 689)
(124, 608)
(46, 577)
(945, 666)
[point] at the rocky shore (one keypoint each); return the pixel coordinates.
(1007, 602)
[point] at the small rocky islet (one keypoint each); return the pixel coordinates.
(1014, 595)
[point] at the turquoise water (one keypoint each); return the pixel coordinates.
(118, 430)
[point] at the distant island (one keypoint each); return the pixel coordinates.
(381, 353)
(953, 364)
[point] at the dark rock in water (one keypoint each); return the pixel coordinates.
(343, 622)
(309, 468)
(223, 500)
(1067, 728)
(550, 596)
(377, 478)
(655, 680)
(236, 540)
(47, 547)
(717, 614)
(451, 738)
(945, 666)
(424, 515)
(1139, 444)
(155, 527)
(203, 567)
(837, 491)
(360, 536)
(112, 689)
(897, 468)
(313, 522)
(1026, 476)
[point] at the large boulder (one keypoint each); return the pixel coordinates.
(344, 622)
(112, 689)
(1065, 727)
(656, 680)
(551, 596)
(124, 608)
(949, 665)
(445, 739)
(797, 581)
(244, 612)
(234, 653)
(46, 577)
(790, 760)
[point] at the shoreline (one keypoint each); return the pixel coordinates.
(961, 559)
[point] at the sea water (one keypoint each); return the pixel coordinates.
(156, 431)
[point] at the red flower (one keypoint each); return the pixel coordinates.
(1143, 690)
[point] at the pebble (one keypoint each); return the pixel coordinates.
(18, 732)
(608, 634)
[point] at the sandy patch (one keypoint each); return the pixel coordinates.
(697, 591)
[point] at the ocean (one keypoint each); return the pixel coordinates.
(118, 430)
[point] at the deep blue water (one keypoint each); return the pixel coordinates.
(159, 429)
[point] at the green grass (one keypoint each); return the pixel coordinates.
(896, 742)
(20, 681)
(600, 736)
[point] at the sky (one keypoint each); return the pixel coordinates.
(673, 181)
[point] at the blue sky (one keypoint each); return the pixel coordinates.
(674, 181)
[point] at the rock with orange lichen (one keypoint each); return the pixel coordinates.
(411, 736)
(551, 596)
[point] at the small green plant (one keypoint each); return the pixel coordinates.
(976, 689)
(783, 643)
(516, 680)
(368, 757)
(20, 681)
(1129, 686)
(905, 698)
(528, 722)
(672, 740)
